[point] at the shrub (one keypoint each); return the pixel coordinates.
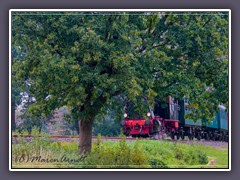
(157, 163)
(202, 157)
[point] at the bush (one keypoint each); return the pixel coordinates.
(157, 163)
(202, 157)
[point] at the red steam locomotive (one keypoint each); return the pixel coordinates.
(154, 125)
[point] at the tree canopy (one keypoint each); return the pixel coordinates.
(86, 60)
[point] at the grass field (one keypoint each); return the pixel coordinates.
(42, 153)
(218, 158)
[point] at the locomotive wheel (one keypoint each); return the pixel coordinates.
(182, 136)
(178, 136)
(127, 132)
(198, 136)
(220, 137)
(213, 137)
(207, 136)
(190, 136)
(172, 135)
(223, 137)
(226, 138)
(146, 136)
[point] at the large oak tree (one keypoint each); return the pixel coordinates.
(85, 60)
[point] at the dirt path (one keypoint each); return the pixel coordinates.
(212, 162)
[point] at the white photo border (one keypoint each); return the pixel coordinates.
(123, 10)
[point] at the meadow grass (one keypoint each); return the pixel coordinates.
(42, 153)
(218, 157)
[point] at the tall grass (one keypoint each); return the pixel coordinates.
(41, 152)
(110, 154)
(145, 154)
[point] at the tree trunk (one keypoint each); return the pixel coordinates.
(76, 126)
(85, 136)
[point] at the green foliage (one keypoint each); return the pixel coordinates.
(137, 155)
(83, 61)
(71, 121)
(202, 157)
(123, 154)
(106, 126)
(118, 155)
(157, 163)
(16, 90)
(31, 121)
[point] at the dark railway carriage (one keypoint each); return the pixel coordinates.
(188, 127)
(169, 111)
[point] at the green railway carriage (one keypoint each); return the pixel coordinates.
(213, 123)
(220, 121)
(188, 127)
(187, 122)
(223, 119)
(215, 129)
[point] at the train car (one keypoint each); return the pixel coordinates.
(223, 127)
(168, 117)
(188, 127)
(215, 129)
(211, 128)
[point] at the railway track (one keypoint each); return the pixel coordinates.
(217, 144)
(70, 137)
